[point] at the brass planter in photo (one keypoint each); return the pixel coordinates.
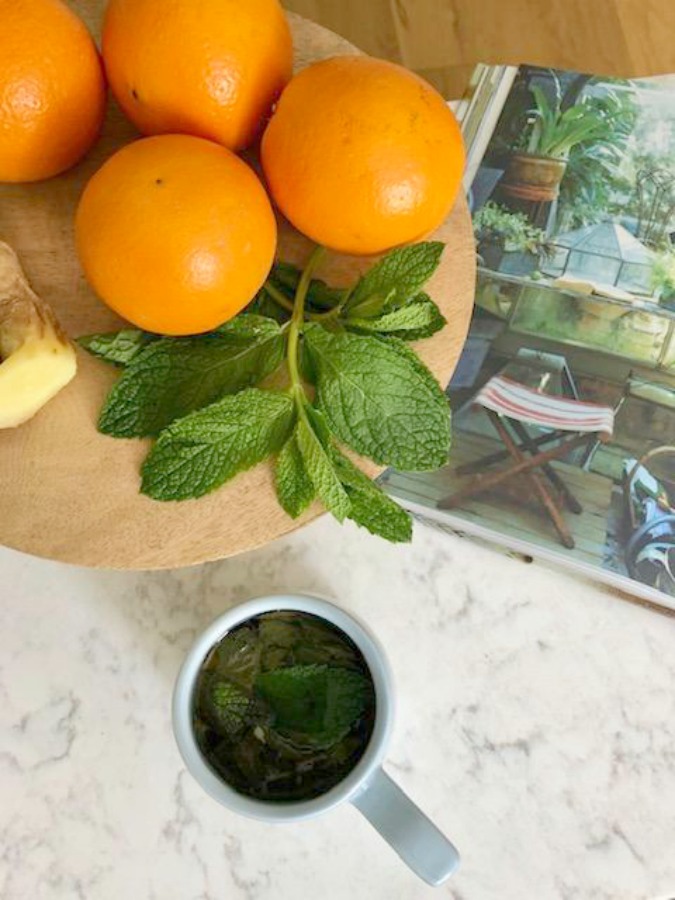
(530, 177)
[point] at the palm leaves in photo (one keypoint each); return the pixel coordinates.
(555, 131)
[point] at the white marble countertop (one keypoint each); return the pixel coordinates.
(536, 725)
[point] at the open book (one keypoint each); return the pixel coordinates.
(564, 398)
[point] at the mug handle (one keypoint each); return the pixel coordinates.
(405, 827)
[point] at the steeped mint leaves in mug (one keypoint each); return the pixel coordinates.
(284, 707)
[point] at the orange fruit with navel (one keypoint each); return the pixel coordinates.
(211, 68)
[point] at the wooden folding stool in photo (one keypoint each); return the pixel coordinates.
(569, 423)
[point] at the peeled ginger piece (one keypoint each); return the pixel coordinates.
(36, 357)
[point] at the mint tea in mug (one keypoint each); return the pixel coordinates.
(283, 707)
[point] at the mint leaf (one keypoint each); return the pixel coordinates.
(317, 700)
(370, 506)
(237, 657)
(288, 639)
(225, 706)
(394, 279)
(419, 318)
(320, 426)
(380, 399)
(200, 452)
(117, 347)
(413, 360)
(243, 328)
(295, 490)
(175, 376)
(320, 471)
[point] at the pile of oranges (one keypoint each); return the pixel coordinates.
(175, 232)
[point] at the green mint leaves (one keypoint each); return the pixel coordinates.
(200, 452)
(320, 701)
(199, 396)
(173, 377)
(377, 402)
(118, 348)
(370, 507)
(320, 471)
(419, 318)
(398, 277)
(226, 706)
(295, 489)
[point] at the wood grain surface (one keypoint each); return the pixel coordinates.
(444, 39)
(70, 493)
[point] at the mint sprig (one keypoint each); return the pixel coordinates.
(372, 393)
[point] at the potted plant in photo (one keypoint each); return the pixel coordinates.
(507, 241)
(551, 132)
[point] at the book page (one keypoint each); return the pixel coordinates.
(568, 374)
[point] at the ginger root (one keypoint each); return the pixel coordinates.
(36, 357)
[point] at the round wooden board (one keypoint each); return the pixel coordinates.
(71, 494)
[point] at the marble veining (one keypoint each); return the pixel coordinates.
(536, 724)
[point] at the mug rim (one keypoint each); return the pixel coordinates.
(182, 703)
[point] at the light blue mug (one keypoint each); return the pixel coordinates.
(367, 786)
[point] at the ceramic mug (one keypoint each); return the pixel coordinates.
(367, 786)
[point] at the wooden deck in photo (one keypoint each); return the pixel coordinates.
(512, 507)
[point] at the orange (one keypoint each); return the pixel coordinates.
(362, 155)
(175, 233)
(212, 68)
(52, 91)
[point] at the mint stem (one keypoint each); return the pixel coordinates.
(329, 314)
(282, 300)
(278, 297)
(297, 321)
